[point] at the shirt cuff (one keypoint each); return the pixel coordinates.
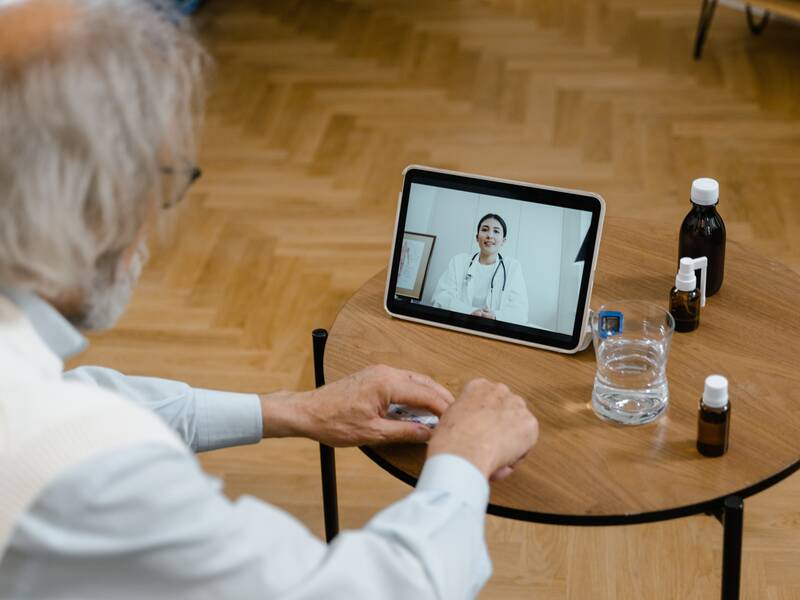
(458, 476)
(227, 419)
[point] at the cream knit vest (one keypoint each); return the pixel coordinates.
(48, 425)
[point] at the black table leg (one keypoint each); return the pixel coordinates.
(706, 15)
(756, 27)
(732, 522)
(327, 458)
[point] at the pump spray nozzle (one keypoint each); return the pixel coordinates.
(686, 281)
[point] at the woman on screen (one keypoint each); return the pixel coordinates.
(485, 284)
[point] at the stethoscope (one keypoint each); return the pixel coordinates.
(500, 263)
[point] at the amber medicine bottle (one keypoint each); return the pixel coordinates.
(703, 232)
(714, 417)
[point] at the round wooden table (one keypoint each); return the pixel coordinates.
(584, 471)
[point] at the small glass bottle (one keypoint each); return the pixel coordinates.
(714, 417)
(703, 231)
(686, 299)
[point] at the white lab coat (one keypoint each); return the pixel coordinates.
(454, 292)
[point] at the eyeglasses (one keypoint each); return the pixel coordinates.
(177, 183)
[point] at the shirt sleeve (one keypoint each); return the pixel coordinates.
(146, 522)
(205, 419)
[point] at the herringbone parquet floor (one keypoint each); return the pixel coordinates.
(315, 108)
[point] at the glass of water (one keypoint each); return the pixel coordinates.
(631, 343)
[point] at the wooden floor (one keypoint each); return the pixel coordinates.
(316, 107)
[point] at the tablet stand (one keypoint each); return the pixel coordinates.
(586, 340)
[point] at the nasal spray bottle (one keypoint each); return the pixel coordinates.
(686, 299)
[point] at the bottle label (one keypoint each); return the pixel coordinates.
(712, 434)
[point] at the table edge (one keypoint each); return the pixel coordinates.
(517, 514)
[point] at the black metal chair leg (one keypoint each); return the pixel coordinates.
(756, 27)
(327, 458)
(732, 522)
(706, 15)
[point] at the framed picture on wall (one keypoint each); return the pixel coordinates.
(415, 258)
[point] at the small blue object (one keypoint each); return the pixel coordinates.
(611, 323)
(187, 7)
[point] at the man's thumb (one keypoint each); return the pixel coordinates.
(404, 431)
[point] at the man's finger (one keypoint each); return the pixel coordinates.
(501, 473)
(446, 394)
(426, 381)
(410, 392)
(403, 431)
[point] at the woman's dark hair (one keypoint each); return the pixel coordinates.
(497, 218)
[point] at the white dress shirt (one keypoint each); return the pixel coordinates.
(147, 522)
(481, 282)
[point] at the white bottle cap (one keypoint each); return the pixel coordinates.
(715, 394)
(686, 281)
(705, 191)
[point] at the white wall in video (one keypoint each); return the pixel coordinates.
(537, 283)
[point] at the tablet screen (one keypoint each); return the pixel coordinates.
(509, 259)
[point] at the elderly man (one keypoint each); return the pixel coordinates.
(100, 494)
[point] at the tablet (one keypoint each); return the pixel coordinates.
(502, 259)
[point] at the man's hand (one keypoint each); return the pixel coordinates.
(352, 411)
(489, 426)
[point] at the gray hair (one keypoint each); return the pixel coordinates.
(90, 108)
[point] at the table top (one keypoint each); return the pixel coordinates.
(587, 471)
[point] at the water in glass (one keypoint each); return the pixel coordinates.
(630, 383)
